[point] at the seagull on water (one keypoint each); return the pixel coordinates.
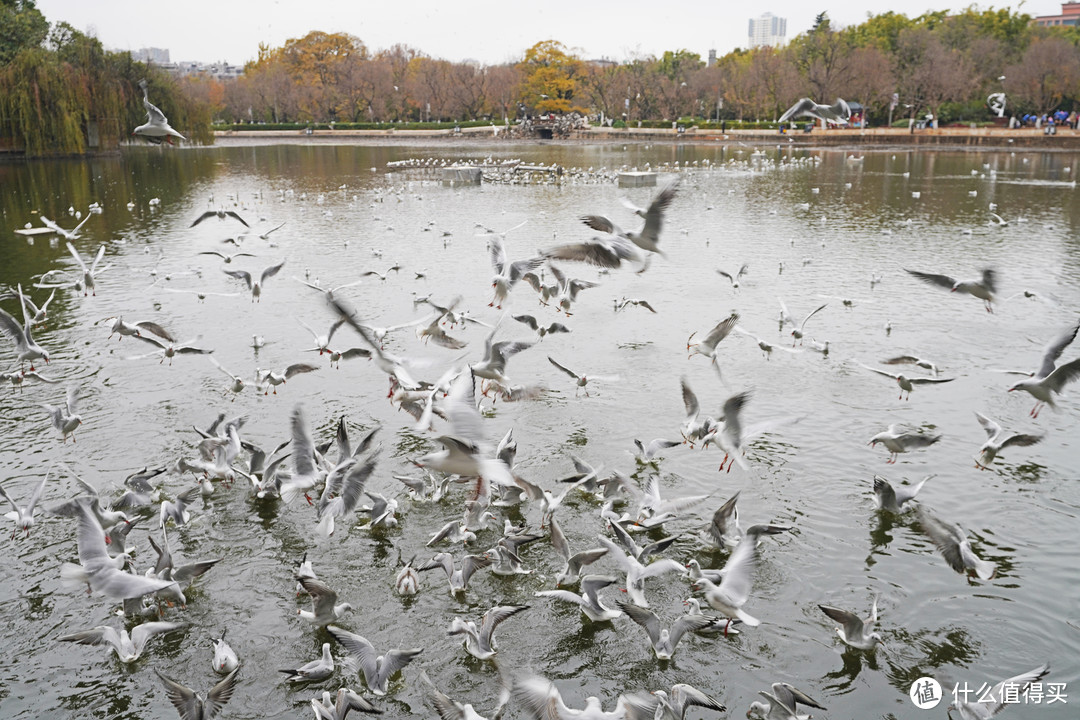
(664, 640)
(781, 704)
(589, 601)
(24, 516)
(128, 648)
(898, 441)
(225, 660)
(376, 668)
(953, 544)
(853, 630)
(318, 669)
(892, 498)
(480, 642)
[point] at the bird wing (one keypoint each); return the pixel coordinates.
(184, 699)
(1053, 350)
(498, 254)
(645, 618)
(852, 623)
(789, 695)
(654, 216)
(565, 369)
(11, 327)
(323, 598)
(240, 275)
(519, 268)
(270, 271)
(243, 222)
(885, 491)
(303, 445)
(725, 274)
(601, 224)
(595, 252)
(1021, 440)
(733, 407)
(141, 633)
(739, 569)
(803, 107)
(540, 699)
(471, 563)
(1062, 375)
(205, 215)
(989, 279)
(724, 520)
(1021, 681)
(558, 540)
(943, 281)
(812, 314)
(446, 708)
(928, 381)
(298, 368)
(156, 329)
(359, 647)
(900, 360)
(687, 623)
(493, 617)
(721, 331)
(690, 400)
(947, 537)
(219, 695)
(528, 320)
(353, 486)
(73, 251)
(100, 252)
(879, 372)
(100, 635)
(393, 661)
(683, 695)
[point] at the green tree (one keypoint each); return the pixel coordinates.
(22, 26)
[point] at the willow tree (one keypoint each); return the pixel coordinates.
(59, 98)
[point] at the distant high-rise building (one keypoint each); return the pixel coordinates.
(157, 56)
(712, 58)
(767, 30)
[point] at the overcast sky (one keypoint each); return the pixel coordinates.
(491, 33)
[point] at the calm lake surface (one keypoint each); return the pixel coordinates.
(343, 206)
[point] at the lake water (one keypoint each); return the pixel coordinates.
(346, 212)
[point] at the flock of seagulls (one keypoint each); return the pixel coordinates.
(332, 479)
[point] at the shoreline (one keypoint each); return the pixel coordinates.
(952, 138)
(1064, 140)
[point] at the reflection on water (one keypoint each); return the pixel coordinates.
(832, 220)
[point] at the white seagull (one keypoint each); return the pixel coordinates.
(156, 128)
(256, 286)
(983, 288)
(997, 440)
(838, 113)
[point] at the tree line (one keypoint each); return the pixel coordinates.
(937, 62)
(55, 81)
